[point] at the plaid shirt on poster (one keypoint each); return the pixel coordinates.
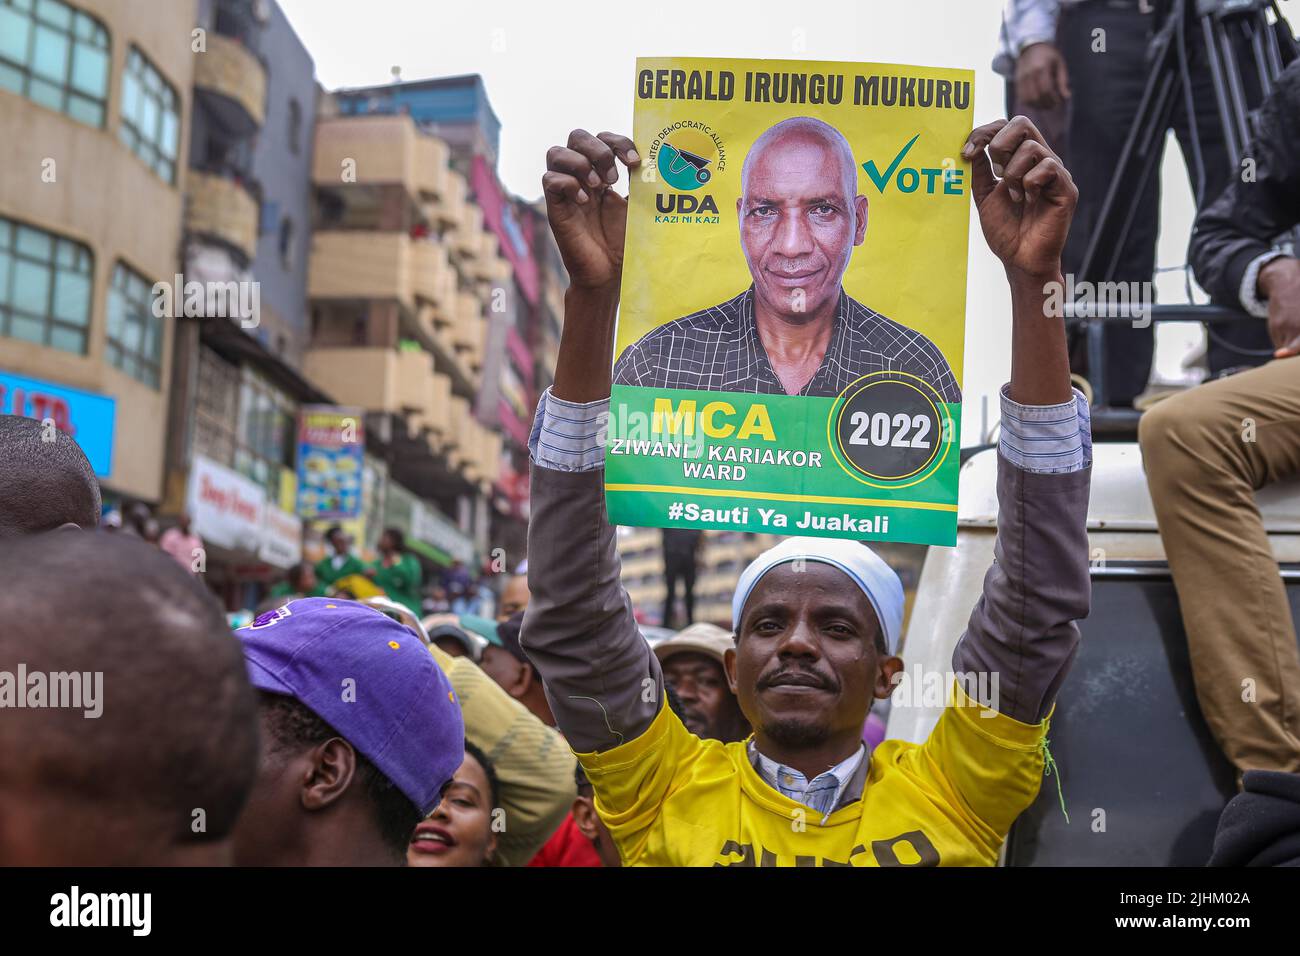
(719, 349)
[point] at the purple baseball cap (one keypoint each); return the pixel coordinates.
(369, 678)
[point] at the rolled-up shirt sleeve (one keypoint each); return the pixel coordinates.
(569, 436)
(1046, 439)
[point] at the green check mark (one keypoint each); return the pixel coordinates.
(882, 179)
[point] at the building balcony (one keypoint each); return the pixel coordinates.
(471, 462)
(483, 461)
(439, 420)
(362, 265)
(486, 463)
(377, 379)
(380, 150)
(489, 266)
(363, 376)
(468, 330)
(430, 168)
(458, 439)
(445, 300)
(233, 81)
(499, 271)
(365, 265)
(415, 392)
(433, 279)
(450, 210)
(481, 263)
(222, 208)
(468, 237)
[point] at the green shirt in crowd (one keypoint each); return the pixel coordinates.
(401, 580)
(327, 573)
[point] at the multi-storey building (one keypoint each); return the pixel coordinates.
(236, 390)
(180, 152)
(457, 112)
(402, 275)
(95, 104)
(456, 109)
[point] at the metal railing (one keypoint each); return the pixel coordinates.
(1108, 422)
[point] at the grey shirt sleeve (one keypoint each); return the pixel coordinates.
(1022, 632)
(602, 680)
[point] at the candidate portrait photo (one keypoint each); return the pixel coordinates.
(795, 330)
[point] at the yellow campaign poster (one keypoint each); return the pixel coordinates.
(790, 332)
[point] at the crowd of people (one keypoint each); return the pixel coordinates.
(395, 571)
(542, 728)
(556, 734)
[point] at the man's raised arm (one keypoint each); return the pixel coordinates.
(1022, 630)
(603, 683)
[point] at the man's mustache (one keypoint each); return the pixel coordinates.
(799, 677)
(792, 266)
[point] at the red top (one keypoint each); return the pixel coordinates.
(567, 847)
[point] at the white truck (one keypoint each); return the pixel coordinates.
(1141, 778)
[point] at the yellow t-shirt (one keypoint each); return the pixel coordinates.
(672, 799)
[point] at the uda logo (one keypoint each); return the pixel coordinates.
(686, 155)
(682, 169)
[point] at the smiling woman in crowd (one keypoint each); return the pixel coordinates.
(459, 831)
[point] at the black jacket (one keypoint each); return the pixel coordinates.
(1246, 219)
(1261, 825)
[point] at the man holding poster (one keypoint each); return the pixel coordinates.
(817, 623)
(795, 331)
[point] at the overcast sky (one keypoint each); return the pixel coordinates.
(550, 67)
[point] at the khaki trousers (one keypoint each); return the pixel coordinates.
(1205, 453)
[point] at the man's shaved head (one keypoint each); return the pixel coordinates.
(43, 484)
(800, 217)
(807, 129)
(160, 775)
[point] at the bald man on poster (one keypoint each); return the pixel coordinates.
(794, 331)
